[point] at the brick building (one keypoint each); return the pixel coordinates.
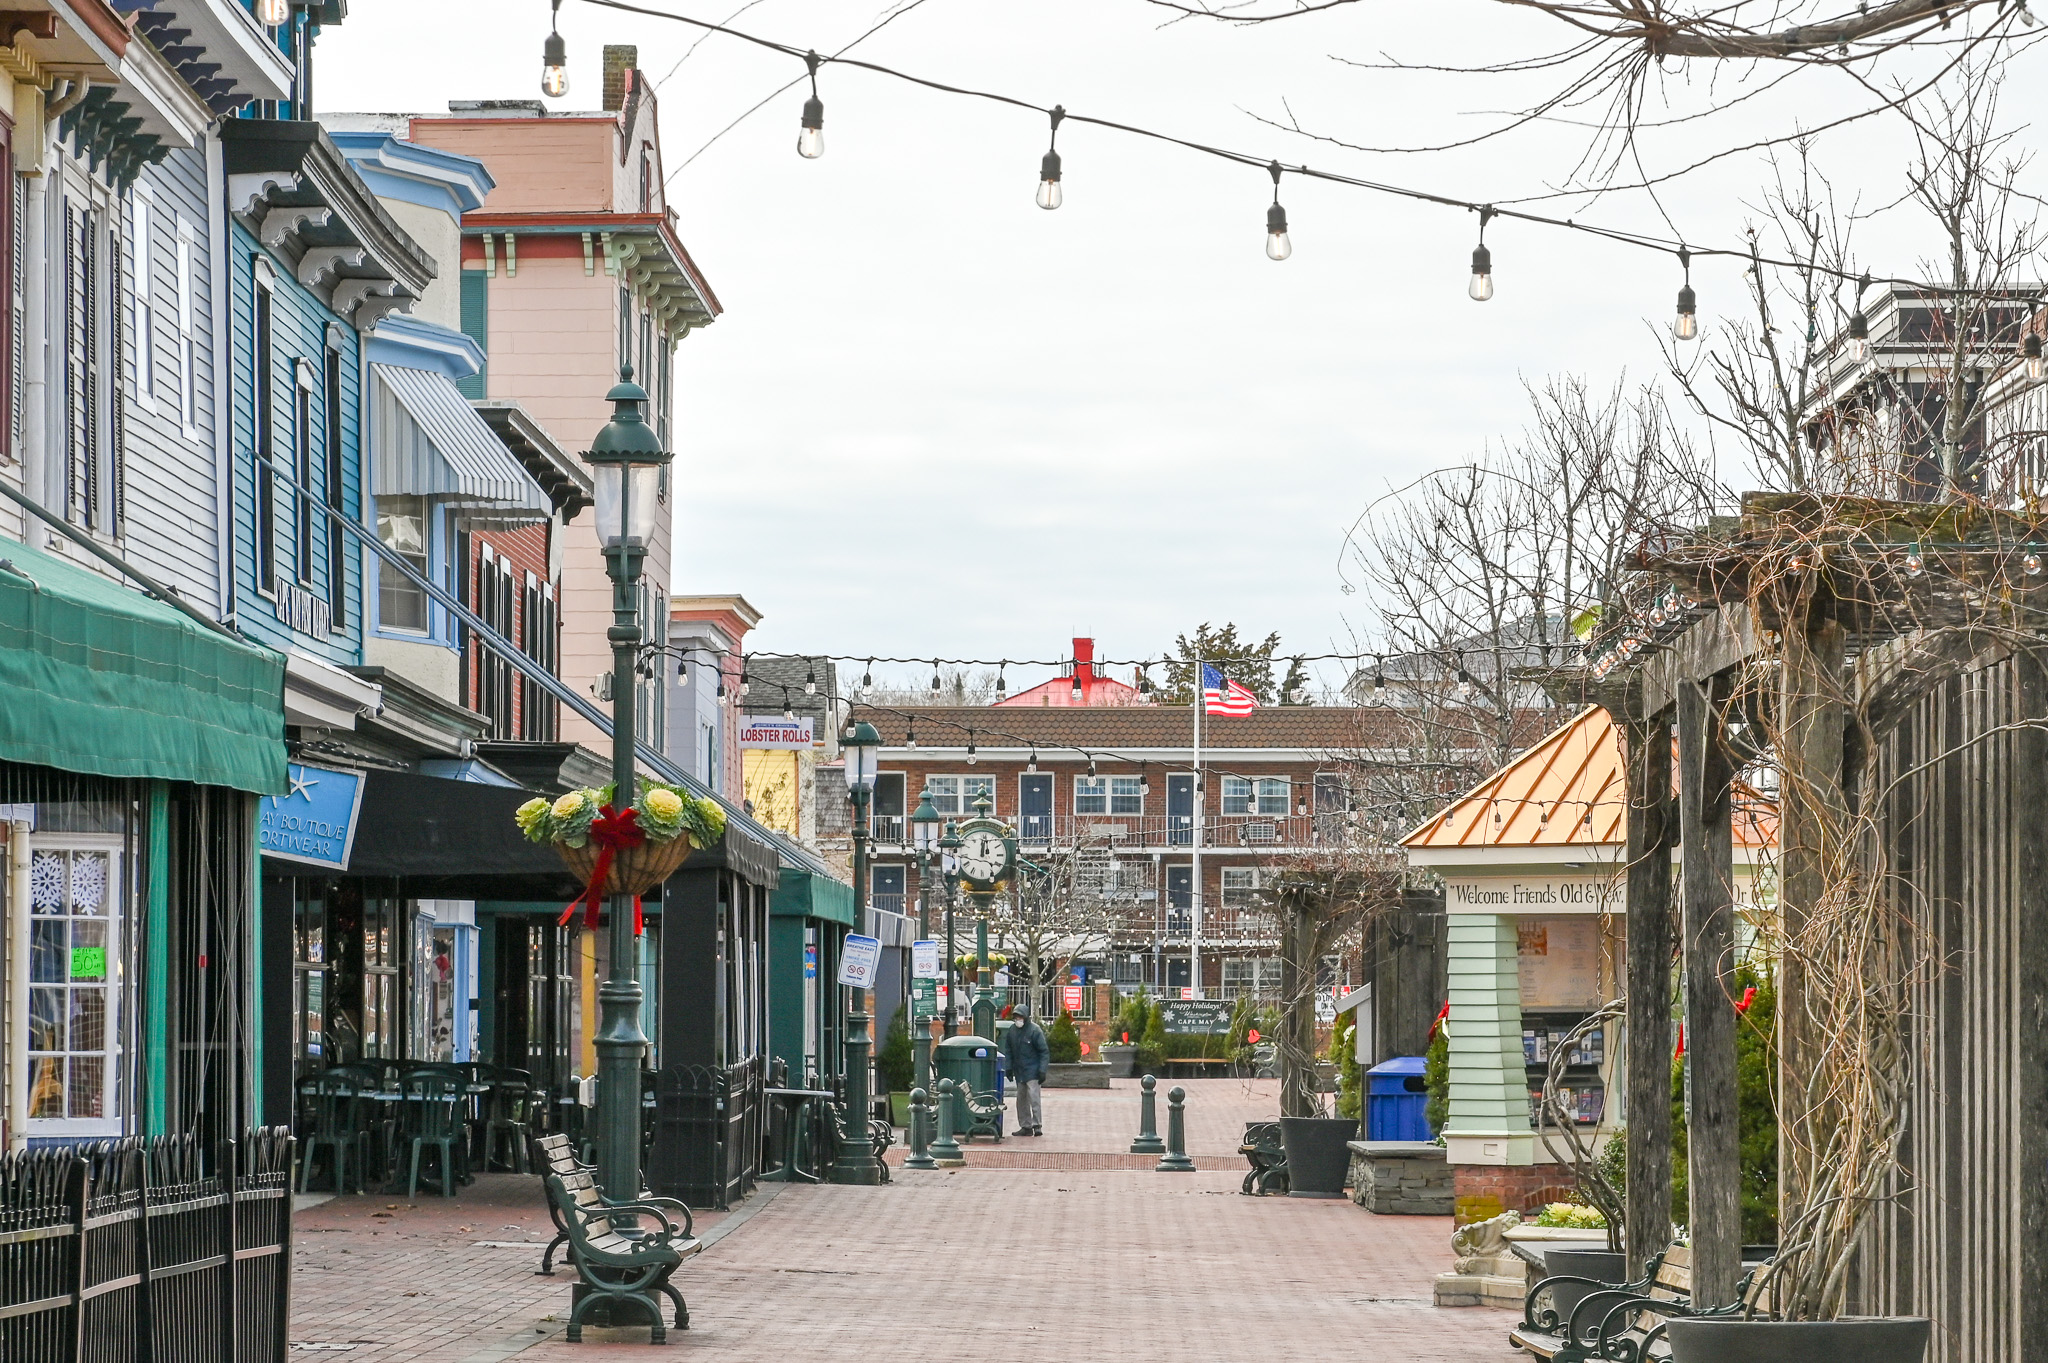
(1177, 851)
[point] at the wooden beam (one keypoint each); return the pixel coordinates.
(1714, 1167)
(2028, 797)
(1650, 941)
(1812, 809)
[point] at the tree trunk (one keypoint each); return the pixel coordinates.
(1298, 1030)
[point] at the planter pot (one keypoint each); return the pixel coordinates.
(1898, 1339)
(1085, 1075)
(1597, 1264)
(1318, 1154)
(635, 870)
(1122, 1061)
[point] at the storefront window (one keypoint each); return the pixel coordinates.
(381, 929)
(77, 902)
(309, 972)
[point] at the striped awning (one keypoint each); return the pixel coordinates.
(430, 442)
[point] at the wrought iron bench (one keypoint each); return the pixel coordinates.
(832, 1115)
(1579, 1334)
(618, 1254)
(1268, 1158)
(556, 1154)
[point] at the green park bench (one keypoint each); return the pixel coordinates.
(1262, 1148)
(1577, 1336)
(615, 1252)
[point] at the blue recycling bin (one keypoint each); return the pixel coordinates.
(1397, 1101)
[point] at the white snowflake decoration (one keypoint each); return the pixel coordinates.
(46, 882)
(88, 881)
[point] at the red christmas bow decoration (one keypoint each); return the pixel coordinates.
(611, 830)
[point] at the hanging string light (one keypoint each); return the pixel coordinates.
(2031, 350)
(970, 747)
(1050, 195)
(1379, 682)
(273, 13)
(721, 690)
(935, 676)
(2030, 562)
(1915, 565)
(745, 685)
(910, 735)
(811, 681)
(1687, 324)
(1464, 683)
(788, 712)
(1144, 679)
(1481, 287)
(1144, 779)
(1091, 764)
(999, 679)
(810, 141)
(1077, 683)
(682, 671)
(554, 57)
(867, 680)
(1859, 326)
(1278, 247)
(1031, 766)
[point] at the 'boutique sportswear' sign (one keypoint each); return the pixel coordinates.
(314, 821)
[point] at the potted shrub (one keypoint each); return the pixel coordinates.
(1151, 1057)
(896, 1067)
(1065, 1068)
(1127, 1029)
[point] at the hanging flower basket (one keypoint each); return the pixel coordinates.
(621, 851)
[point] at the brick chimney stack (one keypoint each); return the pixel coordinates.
(620, 59)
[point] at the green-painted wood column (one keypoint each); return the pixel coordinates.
(253, 805)
(1489, 1122)
(156, 964)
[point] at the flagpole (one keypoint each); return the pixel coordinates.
(1195, 925)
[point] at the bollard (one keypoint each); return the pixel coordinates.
(1148, 1142)
(1176, 1161)
(946, 1153)
(920, 1148)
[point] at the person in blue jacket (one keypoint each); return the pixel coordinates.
(1026, 1054)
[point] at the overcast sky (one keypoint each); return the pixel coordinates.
(936, 420)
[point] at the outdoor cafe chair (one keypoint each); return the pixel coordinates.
(337, 1128)
(438, 1125)
(510, 1107)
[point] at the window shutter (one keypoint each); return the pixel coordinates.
(476, 324)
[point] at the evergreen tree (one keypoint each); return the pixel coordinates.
(1063, 1042)
(1248, 664)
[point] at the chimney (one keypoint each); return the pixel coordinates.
(619, 60)
(1084, 663)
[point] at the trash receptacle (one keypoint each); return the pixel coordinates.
(970, 1062)
(1397, 1101)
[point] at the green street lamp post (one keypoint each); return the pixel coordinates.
(949, 848)
(625, 462)
(924, 837)
(856, 1162)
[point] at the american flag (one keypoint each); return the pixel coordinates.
(1222, 696)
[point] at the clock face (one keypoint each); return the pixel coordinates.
(983, 856)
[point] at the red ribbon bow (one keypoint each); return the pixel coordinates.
(611, 830)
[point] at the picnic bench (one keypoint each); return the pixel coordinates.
(1262, 1148)
(617, 1254)
(1625, 1322)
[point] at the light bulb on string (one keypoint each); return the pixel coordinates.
(788, 712)
(554, 58)
(1050, 196)
(745, 685)
(811, 682)
(273, 13)
(935, 676)
(1077, 684)
(1031, 766)
(1859, 326)
(1144, 781)
(810, 139)
(867, 680)
(1000, 684)
(2030, 562)
(970, 747)
(721, 690)
(1145, 679)
(1091, 764)
(1687, 324)
(1481, 287)
(1464, 684)
(682, 671)
(1278, 246)
(1379, 683)
(2031, 350)
(910, 738)
(1915, 565)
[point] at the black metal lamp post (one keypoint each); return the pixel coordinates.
(857, 1163)
(949, 848)
(625, 462)
(924, 837)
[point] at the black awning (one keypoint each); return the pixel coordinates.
(453, 840)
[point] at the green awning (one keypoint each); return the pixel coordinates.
(97, 677)
(803, 894)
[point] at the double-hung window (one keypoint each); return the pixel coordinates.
(404, 526)
(94, 473)
(302, 472)
(1240, 887)
(266, 430)
(954, 796)
(77, 902)
(1255, 795)
(142, 233)
(188, 340)
(1108, 795)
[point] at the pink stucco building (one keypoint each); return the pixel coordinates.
(573, 267)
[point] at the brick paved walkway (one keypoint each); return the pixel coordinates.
(1080, 1262)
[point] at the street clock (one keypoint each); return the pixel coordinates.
(988, 851)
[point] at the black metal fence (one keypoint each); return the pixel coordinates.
(147, 1251)
(707, 1133)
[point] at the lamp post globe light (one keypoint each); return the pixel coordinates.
(625, 460)
(857, 1163)
(924, 840)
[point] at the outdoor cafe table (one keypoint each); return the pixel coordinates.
(795, 1105)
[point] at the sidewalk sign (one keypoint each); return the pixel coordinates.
(1070, 998)
(860, 960)
(924, 961)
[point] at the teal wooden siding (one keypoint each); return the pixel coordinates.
(299, 330)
